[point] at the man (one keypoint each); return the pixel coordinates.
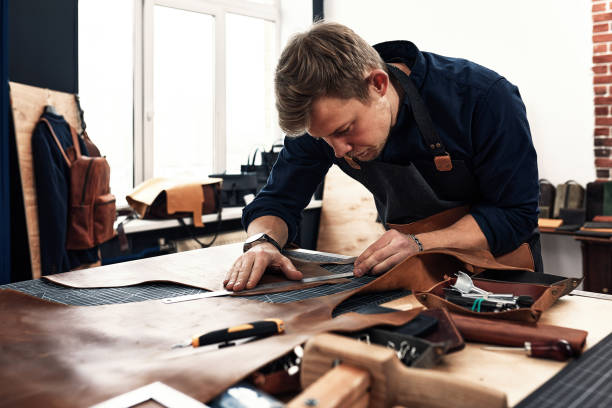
(424, 133)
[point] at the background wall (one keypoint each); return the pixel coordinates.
(544, 47)
(43, 43)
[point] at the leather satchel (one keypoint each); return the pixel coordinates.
(92, 206)
(160, 198)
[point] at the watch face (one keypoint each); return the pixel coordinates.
(254, 238)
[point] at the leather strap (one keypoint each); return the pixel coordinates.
(75, 142)
(59, 145)
(423, 120)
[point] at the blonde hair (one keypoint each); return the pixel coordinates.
(327, 60)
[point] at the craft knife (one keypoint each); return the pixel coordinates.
(259, 329)
(257, 289)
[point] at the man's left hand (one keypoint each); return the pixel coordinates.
(389, 250)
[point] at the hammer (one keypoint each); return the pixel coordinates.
(341, 372)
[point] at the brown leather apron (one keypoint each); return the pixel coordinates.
(415, 191)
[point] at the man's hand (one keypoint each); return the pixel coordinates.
(389, 250)
(248, 269)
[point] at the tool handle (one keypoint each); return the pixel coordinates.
(415, 389)
(259, 328)
(560, 350)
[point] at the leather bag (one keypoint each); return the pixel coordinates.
(160, 198)
(546, 200)
(569, 195)
(236, 187)
(92, 206)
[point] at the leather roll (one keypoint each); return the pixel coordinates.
(516, 333)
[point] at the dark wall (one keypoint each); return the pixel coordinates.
(5, 238)
(43, 43)
(317, 10)
(40, 39)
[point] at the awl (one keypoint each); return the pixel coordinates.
(560, 350)
(257, 289)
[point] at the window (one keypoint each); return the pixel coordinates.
(106, 84)
(183, 92)
(251, 115)
(178, 87)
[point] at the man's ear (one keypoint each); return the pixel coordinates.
(379, 80)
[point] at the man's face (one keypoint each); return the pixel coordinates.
(352, 128)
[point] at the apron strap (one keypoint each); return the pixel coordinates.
(424, 123)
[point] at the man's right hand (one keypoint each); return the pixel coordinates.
(248, 269)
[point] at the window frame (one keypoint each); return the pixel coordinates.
(143, 113)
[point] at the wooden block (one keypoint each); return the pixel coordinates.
(28, 103)
(348, 216)
(341, 386)
(392, 382)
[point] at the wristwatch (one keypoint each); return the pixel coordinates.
(259, 239)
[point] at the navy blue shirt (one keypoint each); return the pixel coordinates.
(480, 118)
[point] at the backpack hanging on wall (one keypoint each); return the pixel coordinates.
(91, 213)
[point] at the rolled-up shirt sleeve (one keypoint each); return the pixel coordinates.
(300, 167)
(505, 165)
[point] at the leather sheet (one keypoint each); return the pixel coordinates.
(58, 355)
(70, 356)
(204, 269)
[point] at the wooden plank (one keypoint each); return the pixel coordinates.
(28, 103)
(348, 216)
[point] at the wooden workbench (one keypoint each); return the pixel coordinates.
(515, 374)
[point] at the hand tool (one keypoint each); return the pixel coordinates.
(259, 329)
(481, 305)
(559, 350)
(257, 289)
(520, 301)
(464, 284)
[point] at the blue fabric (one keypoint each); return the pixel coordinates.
(480, 118)
(5, 200)
(52, 176)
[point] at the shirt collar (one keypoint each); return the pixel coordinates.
(409, 54)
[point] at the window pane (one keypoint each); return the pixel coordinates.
(183, 63)
(251, 114)
(106, 85)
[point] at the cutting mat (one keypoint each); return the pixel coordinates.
(151, 291)
(584, 383)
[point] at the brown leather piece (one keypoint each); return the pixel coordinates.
(446, 330)
(443, 163)
(437, 221)
(521, 257)
(186, 198)
(194, 269)
(176, 196)
(77, 356)
(515, 333)
(544, 297)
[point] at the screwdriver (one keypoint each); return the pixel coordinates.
(559, 350)
(259, 329)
